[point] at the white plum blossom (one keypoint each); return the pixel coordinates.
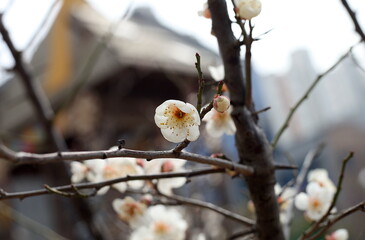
(161, 223)
(315, 202)
(248, 9)
(218, 123)
(116, 168)
(86, 170)
(162, 165)
(340, 234)
(221, 103)
(285, 199)
(130, 210)
(79, 171)
(320, 176)
(217, 73)
(178, 121)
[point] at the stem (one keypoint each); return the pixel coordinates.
(68, 190)
(303, 98)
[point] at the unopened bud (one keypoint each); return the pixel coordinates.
(248, 9)
(221, 103)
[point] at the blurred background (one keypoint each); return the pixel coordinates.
(106, 66)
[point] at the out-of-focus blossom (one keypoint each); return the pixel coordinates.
(320, 176)
(79, 171)
(205, 12)
(164, 165)
(130, 211)
(218, 123)
(217, 72)
(161, 223)
(116, 168)
(315, 202)
(248, 9)
(340, 234)
(285, 199)
(178, 121)
(221, 103)
(86, 170)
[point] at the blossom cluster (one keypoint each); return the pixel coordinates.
(318, 196)
(98, 170)
(150, 222)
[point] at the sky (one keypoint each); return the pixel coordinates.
(320, 26)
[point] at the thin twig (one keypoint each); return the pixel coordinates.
(354, 20)
(62, 190)
(201, 83)
(303, 98)
(329, 223)
(311, 155)
(42, 24)
(33, 158)
(35, 93)
(241, 234)
(210, 206)
(316, 226)
(248, 40)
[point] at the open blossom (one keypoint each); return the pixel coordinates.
(130, 210)
(320, 176)
(315, 202)
(217, 73)
(340, 234)
(248, 9)
(115, 168)
(162, 165)
(178, 121)
(221, 103)
(219, 123)
(161, 223)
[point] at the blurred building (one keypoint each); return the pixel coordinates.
(105, 81)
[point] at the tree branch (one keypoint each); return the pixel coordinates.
(298, 183)
(37, 97)
(316, 226)
(354, 20)
(252, 145)
(98, 185)
(304, 97)
(210, 206)
(33, 158)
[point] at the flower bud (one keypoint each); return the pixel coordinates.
(221, 103)
(248, 9)
(205, 12)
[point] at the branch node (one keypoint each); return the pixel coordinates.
(121, 144)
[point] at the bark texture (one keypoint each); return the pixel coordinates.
(252, 145)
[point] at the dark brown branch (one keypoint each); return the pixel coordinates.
(71, 188)
(33, 158)
(252, 145)
(354, 20)
(210, 206)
